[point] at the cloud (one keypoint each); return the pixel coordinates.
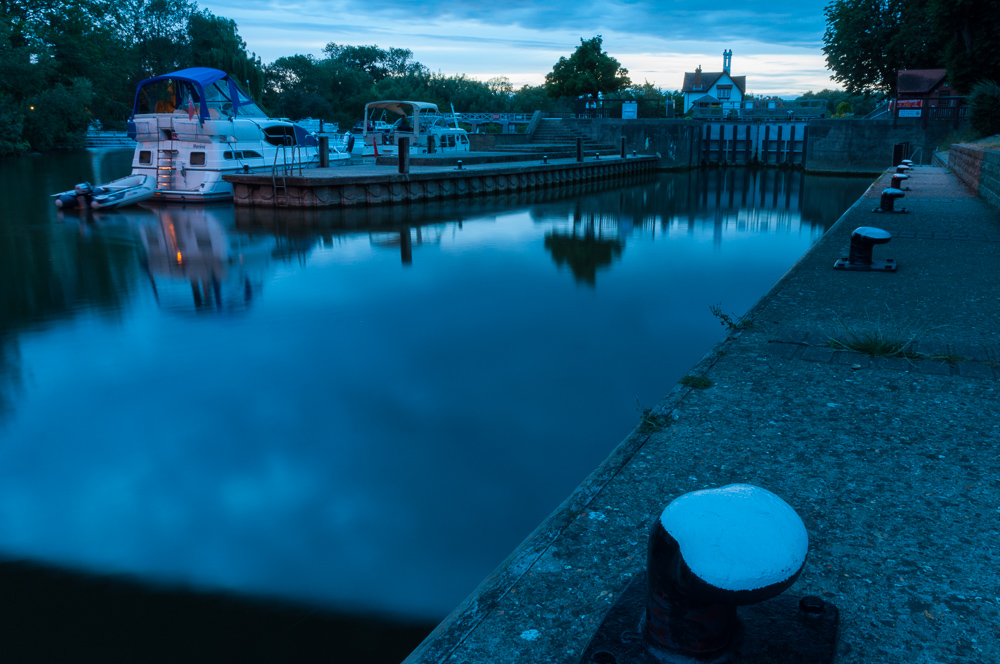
(523, 39)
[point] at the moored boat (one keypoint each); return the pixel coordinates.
(194, 125)
(421, 122)
(128, 190)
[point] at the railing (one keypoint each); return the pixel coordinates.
(763, 109)
(880, 110)
(611, 108)
(108, 139)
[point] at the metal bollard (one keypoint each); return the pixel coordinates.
(458, 167)
(579, 149)
(863, 240)
(597, 155)
(623, 147)
(888, 199)
(324, 151)
(545, 158)
(897, 181)
(430, 145)
(709, 553)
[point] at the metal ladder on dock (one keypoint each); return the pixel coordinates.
(282, 171)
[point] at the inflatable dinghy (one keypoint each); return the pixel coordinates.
(118, 193)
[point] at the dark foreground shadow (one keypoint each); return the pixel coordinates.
(52, 615)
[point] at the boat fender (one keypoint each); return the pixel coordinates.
(350, 143)
(66, 202)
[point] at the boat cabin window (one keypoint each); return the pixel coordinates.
(197, 158)
(245, 154)
(166, 96)
(451, 141)
(145, 157)
(280, 135)
(217, 97)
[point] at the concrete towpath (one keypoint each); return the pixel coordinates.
(892, 462)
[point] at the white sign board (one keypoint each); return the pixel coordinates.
(630, 110)
(909, 112)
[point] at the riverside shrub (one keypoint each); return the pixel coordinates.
(984, 108)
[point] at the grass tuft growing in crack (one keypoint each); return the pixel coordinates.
(697, 382)
(879, 337)
(730, 321)
(649, 420)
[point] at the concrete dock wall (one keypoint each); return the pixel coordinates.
(379, 185)
(979, 169)
(675, 142)
(865, 146)
(832, 146)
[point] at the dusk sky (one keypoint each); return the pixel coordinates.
(775, 43)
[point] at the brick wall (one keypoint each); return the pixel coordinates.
(979, 170)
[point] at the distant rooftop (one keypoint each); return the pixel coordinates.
(918, 81)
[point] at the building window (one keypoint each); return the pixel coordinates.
(724, 91)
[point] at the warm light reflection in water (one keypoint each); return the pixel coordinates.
(369, 419)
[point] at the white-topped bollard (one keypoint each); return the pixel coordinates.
(897, 181)
(717, 563)
(711, 551)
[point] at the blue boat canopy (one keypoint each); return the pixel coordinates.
(201, 87)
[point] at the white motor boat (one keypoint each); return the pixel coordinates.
(420, 121)
(128, 190)
(194, 125)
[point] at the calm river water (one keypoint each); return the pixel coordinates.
(362, 421)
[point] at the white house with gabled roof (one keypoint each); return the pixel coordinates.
(717, 87)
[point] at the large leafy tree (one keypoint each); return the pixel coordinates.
(971, 31)
(868, 41)
(215, 42)
(588, 72)
(377, 62)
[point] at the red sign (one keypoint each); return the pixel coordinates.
(910, 103)
(496, 116)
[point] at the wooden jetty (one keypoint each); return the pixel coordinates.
(382, 183)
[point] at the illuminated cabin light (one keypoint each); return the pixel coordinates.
(178, 257)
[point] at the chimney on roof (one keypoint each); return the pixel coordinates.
(727, 60)
(697, 78)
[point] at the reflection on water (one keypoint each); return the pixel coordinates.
(225, 271)
(405, 391)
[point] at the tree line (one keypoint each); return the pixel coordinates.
(69, 63)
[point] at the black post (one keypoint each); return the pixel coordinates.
(897, 154)
(324, 151)
(403, 149)
(579, 149)
(623, 147)
(430, 144)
